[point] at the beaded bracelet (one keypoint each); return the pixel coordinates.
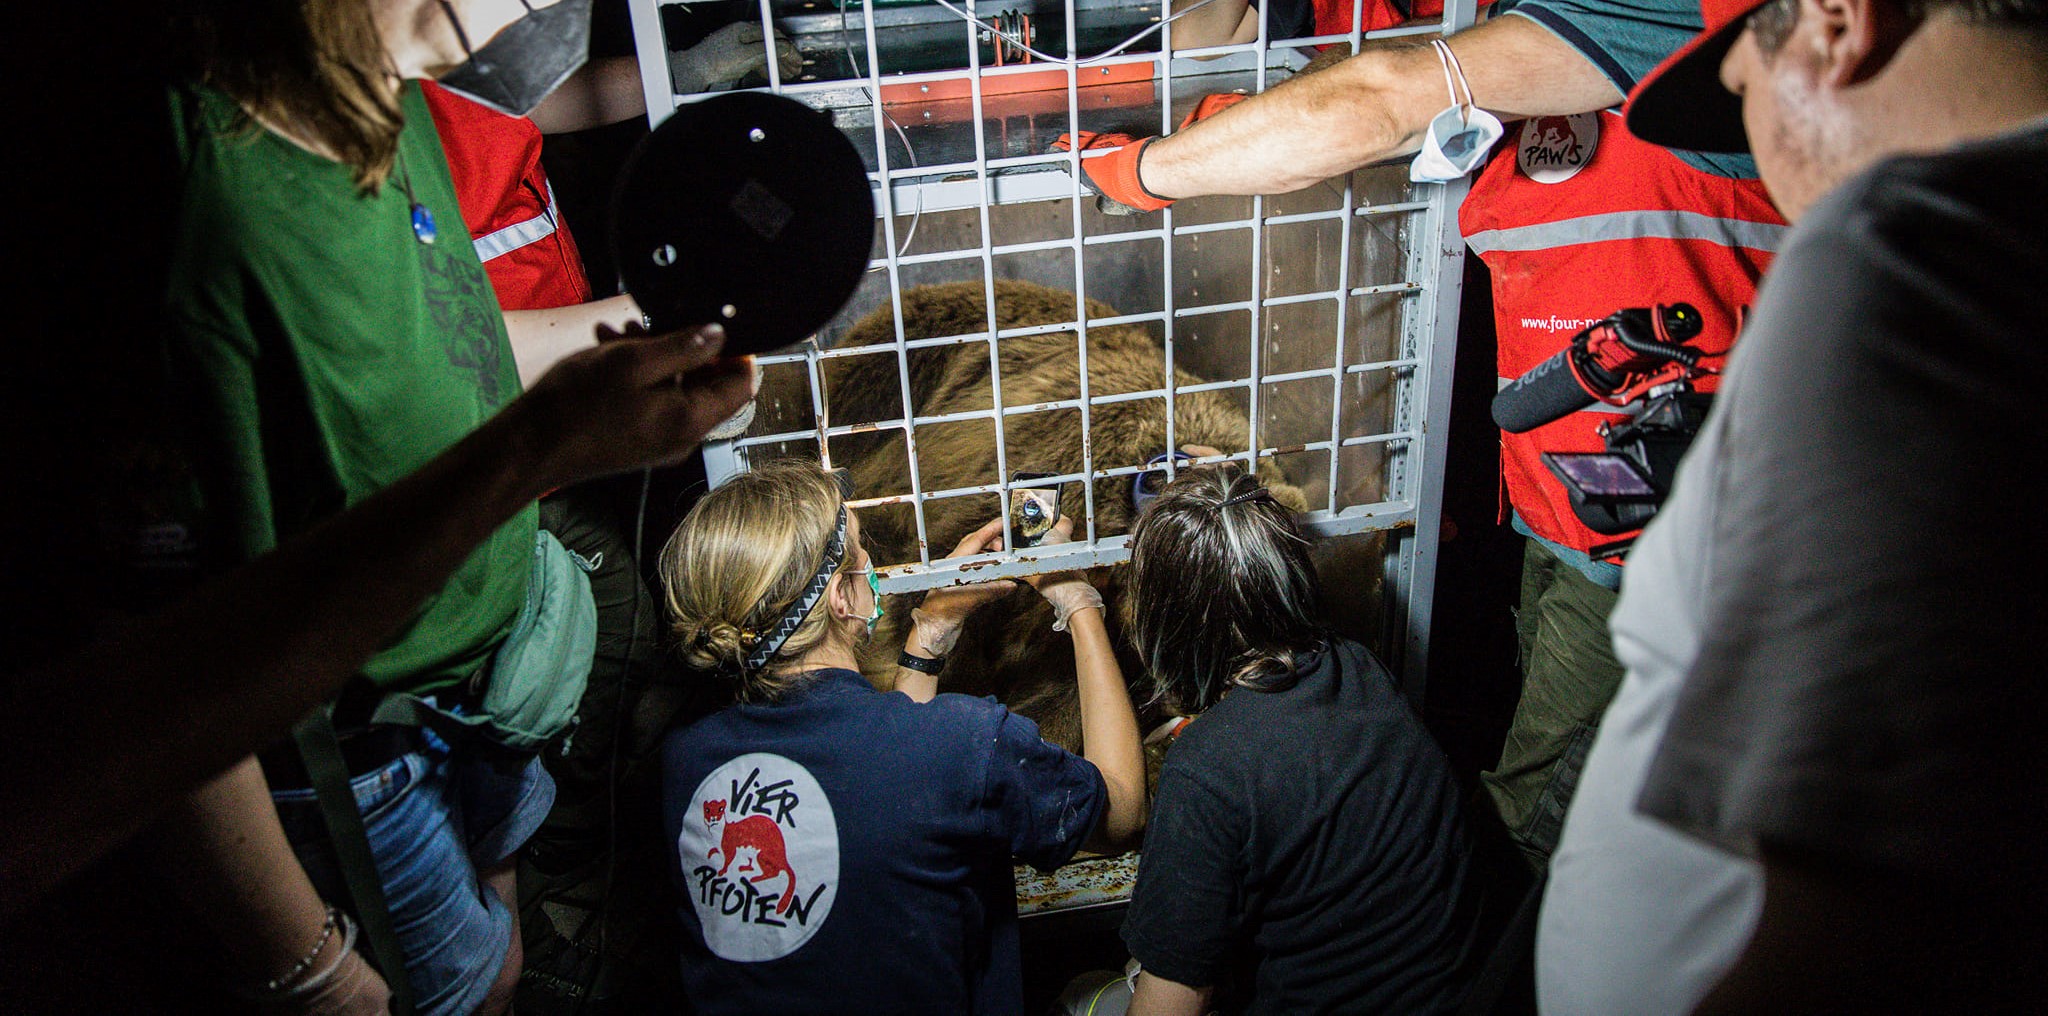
(318, 981)
(281, 988)
(277, 984)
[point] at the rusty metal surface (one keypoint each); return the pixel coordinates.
(1095, 882)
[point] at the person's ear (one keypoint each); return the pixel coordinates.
(839, 597)
(1852, 40)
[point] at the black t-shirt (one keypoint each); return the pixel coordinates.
(1306, 852)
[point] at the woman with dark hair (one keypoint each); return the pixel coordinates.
(847, 850)
(1306, 852)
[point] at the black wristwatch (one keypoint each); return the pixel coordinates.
(922, 664)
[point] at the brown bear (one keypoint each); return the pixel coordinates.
(1008, 649)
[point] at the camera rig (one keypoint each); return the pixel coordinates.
(1637, 360)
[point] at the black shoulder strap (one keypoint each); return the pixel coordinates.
(321, 751)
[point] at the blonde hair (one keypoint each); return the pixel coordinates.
(316, 67)
(740, 560)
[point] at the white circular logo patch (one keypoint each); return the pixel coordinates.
(1553, 149)
(760, 855)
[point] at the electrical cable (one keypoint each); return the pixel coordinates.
(916, 214)
(602, 915)
(1025, 45)
(853, 67)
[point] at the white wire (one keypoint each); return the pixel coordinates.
(1047, 57)
(917, 213)
(1024, 44)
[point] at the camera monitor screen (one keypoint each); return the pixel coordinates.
(1600, 475)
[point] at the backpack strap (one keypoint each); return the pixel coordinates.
(320, 749)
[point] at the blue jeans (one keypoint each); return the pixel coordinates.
(434, 818)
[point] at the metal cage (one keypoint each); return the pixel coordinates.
(1329, 315)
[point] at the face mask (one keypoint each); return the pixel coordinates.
(530, 58)
(1460, 136)
(875, 586)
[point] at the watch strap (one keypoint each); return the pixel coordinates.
(921, 664)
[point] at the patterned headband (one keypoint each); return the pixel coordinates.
(1255, 494)
(772, 639)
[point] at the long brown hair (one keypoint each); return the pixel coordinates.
(315, 67)
(1222, 590)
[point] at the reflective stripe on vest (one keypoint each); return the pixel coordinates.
(1661, 224)
(519, 234)
(1577, 220)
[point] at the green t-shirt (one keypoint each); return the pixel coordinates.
(323, 353)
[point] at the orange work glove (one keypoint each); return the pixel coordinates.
(1115, 175)
(1211, 105)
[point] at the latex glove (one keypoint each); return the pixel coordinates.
(729, 54)
(354, 990)
(1067, 591)
(935, 624)
(1118, 187)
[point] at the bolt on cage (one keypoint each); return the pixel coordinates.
(1344, 372)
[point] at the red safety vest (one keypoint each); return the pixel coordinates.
(1333, 17)
(1576, 219)
(508, 204)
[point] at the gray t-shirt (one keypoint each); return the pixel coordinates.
(1829, 629)
(1869, 682)
(1639, 919)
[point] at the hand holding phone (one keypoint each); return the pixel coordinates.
(1034, 507)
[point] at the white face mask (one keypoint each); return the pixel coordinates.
(1460, 136)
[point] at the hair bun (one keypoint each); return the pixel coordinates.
(716, 645)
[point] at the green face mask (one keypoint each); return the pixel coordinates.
(875, 586)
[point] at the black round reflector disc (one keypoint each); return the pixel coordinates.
(749, 210)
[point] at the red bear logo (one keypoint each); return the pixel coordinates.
(765, 838)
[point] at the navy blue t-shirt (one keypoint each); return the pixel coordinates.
(843, 850)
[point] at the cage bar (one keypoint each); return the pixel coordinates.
(875, 85)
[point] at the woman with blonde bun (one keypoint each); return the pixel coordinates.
(841, 849)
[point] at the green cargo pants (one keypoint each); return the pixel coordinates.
(1569, 674)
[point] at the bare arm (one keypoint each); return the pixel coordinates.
(230, 861)
(920, 686)
(1220, 23)
(541, 338)
(1157, 996)
(251, 652)
(1109, 733)
(601, 92)
(1371, 107)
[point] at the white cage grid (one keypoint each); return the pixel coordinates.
(1426, 289)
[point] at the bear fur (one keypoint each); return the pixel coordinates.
(1008, 648)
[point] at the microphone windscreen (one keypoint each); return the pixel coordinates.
(1547, 392)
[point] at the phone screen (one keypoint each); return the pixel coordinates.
(1034, 509)
(1600, 474)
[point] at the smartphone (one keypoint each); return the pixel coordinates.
(1601, 476)
(1034, 507)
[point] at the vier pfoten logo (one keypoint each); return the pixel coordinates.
(760, 852)
(1553, 149)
